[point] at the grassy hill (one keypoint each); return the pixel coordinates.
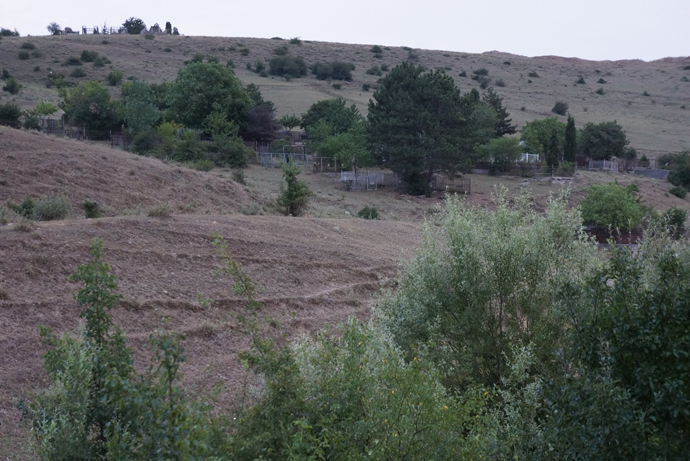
(654, 123)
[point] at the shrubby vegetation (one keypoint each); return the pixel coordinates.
(335, 70)
(287, 66)
(611, 205)
(604, 140)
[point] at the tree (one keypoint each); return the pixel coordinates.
(10, 114)
(603, 140)
(570, 146)
(610, 205)
(503, 126)
(289, 121)
(141, 112)
(335, 112)
(261, 123)
(349, 149)
(54, 28)
(553, 150)
(202, 88)
(560, 108)
(168, 27)
(89, 105)
(134, 25)
(419, 125)
(537, 134)
(295, 194)
(501, 152)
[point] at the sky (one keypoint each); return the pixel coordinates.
(587, 29)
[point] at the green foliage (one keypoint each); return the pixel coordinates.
(533, 74)
(349, 148)
(334, 70)
(603, 140)
(483, 283)
(201, 89)
(114, 77)
(10, 114)
(54, 28)
(24, 209)
(560, 108)
(481, 71)
(501, 152)
(77, 73)
(674, 220)
(261, 123)
(229, 150)
(503, 125)
(89, 105)
(334, 112)
(462, 74)
(552, 151)
(419, 125)
(293, 198)
(8, 33)
(23, 55)
(631, 328)
(51, 208)
(678, 191)
(27, 46)
(5, 74)
(141, 112)
(375, 70)
(538, 133)
(601, 81)
(376, 49)
(570, 141)
(580, 81)
(295, 41)
(72, 61)
(368, 213)
(92, 209)
(88, 55)
(134, 25)
(188, 148)
(600, 91)
(289, 121)
(610, 205)
(12, 86)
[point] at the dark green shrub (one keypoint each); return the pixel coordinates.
(32, 120)
(678, 191)
(149, 36)
(92, 209)
(5, 75)
(384, 67)
(462, 74)
(366, 87)
(373, 71)
(337, 86)
(28, 46)
(229, 151)
(376, 49)
(500, 82)
(601, 81)
(55, 79)
(533, 74)
(198, 57)
(23, 55)
(600, 91)
(12, 86)
(51, 208)
(72, 61)
(78, 73)
(481, 71)
(293, 198)
(560, 108)
(37, 68)
(295, 41)
(8, 33)
(88, 56)
(100, 61)
(24, 209)
(146, 142)
(645, 93)
(684, 79)
(10, 114)
(368, 213)
(202, 165)
(189, 148)
(114, 77)
(674, 219)
(281, 51)
(287, 66)
(335, 70)
(244, 51)
(212, 59)
(36, 54)
(580, 81)
(167, 50)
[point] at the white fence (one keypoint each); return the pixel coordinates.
(362, 180)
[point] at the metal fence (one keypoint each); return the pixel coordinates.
(603, 165)
(362, 180)
(452, 185)
(276, 158)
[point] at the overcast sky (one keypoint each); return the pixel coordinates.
(588, 29)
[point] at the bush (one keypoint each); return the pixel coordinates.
(678, 191)
(92, 209)
(88, 56)
(202, 165)
(533, 74)
(10, 114)
(366, 86)
(580, 81)
(12, 86)
(100, 61)
(376, 49)
(229, 151)
(244, 51)
(24, 209)
(293, 198)
(368, 213)
(601, 81)
(114, 77)
(481, 71)
(146, 142)
(287, 66)
(500, 82)
(5, 75)
(281, 51)
(462, 74)
(560, 108)
(159, 211)
(610, 205)
(645, 93)
(51, 208)
(295, 41)
(373, 71)
(252, 210)
(335, 70)
(600, 91)
(78, 73)
(149, 36)
(72, 61)
(28, 46)
(23, 55)
(337, 86)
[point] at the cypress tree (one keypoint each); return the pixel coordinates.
(570, 147)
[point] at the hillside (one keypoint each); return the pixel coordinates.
(655, 123)
(33, 165)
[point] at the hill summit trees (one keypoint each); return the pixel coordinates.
(419, 125)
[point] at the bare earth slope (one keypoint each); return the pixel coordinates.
(654, 123)
(311, 272)
(33, 165)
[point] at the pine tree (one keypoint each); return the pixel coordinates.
(503, 125)
(570, 147)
